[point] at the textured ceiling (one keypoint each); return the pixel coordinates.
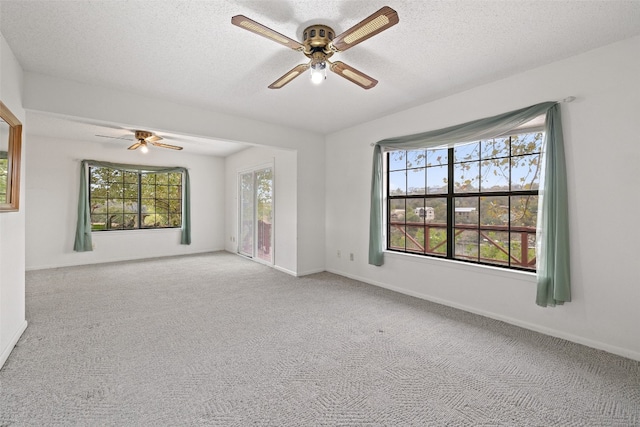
(121, 136)
(438, 48)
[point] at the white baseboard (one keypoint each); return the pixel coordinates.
(75, 263)
(12, 343)
(308, 272)
(526, 325)
(285, 270)
(282, 269)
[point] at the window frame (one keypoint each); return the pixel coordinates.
(139, 199)
(451, 195)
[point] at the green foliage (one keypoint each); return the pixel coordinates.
(264, 194)
(4, 166)
(437, 241)
(397, 238)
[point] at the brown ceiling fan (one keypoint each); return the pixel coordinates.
(144, 138)
(320, 43)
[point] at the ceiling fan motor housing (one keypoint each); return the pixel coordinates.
(142, 134)
(316, 39)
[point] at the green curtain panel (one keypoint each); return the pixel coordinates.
(83, 227)
(553, 222)
(553, 225)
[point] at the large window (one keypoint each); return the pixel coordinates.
(124, 200)
(475, 202)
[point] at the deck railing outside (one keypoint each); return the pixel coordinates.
(523, 256)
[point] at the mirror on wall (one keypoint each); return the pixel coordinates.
(10, 151)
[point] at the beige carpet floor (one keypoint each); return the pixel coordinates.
(215, 339)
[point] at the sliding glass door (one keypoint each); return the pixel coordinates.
(246, 219)
(255, 222)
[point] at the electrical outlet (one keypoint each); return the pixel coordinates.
(93, 245)
(339, 253)
(351, 257)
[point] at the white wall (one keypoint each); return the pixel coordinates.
(12, 224)
(285, 210)
(603, 155)
(52, 194)
(64, 97)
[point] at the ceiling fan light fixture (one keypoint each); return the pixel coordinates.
(144, 147)
(318, 72)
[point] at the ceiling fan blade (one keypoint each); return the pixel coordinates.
(125, 138)
(153, 138)
(161, 145)
(251, 25)
(134, 146)
(290, 75)
(369, 27)
(353, 75)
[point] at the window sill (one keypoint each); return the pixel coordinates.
(135, 231)
(463, 266)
